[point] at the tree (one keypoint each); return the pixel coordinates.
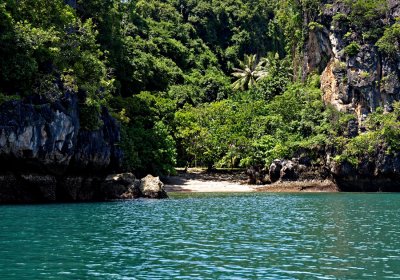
(250, 72)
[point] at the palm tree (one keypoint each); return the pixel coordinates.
(251, 70)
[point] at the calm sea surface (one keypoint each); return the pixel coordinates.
(244, 236)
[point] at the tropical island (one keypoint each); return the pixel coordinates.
(267, 123)
(288, 91)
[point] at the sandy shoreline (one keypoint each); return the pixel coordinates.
(300, 186)
(193, 185)
(205, 182)
(200, 181)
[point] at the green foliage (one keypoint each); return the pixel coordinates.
(366, 13)
(146, 133)
(39, 50)
(251, 70)
(389, 43)
(276, 80)
(315, 26)
(7, 98)
(339, 17)
(246, 130)
(164, 70)
(90, 117)
(148, 150)
(383, 132)
(200, 87)
(352, 49)
(364, 74)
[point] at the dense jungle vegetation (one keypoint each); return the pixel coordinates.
(205, 82)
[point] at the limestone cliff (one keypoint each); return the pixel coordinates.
(352, 80)
(356, 77)
(47, 156)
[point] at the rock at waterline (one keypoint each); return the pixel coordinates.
(121, 186)
(275, 170)
(152, 187)
(126, 186)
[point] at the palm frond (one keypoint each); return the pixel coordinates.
(239, 74)
(251, 71)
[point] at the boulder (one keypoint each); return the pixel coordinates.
(275, 170)
(152, 187)
(296, 169)
(257, 175)
(288, 171)
(121, 186)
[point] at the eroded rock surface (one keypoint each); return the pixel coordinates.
(358, 82)
(152, 187)
(121, 186)
(46, 156)
(354, 80)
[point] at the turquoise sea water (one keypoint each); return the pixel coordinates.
(243, 236)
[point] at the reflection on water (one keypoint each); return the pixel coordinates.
(264, 236)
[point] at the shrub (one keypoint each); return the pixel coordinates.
(389, 42)
(352, 49)
(148, 150)
(383, 132)
(315, 26)
(7, 98)
(364, 74)
(339, 17)
(90, 117)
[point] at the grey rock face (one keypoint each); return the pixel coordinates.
(27, 132)
(275, 170)
(289, 171)
(152, 187)
(47, 155)
(48, 137)
(354, 83)
(378, 173)
(121, 186)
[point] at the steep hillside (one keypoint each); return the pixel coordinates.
(309, 88)
(354, 45)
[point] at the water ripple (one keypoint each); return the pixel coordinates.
(246, 236)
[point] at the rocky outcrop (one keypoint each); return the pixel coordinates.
(318, 50)
(47, 156)
(378, 173)
(152, 187)
(126, 186)
(121, 186)
(356, 77)
(297, 169)
(356, 81)
(47, 138)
